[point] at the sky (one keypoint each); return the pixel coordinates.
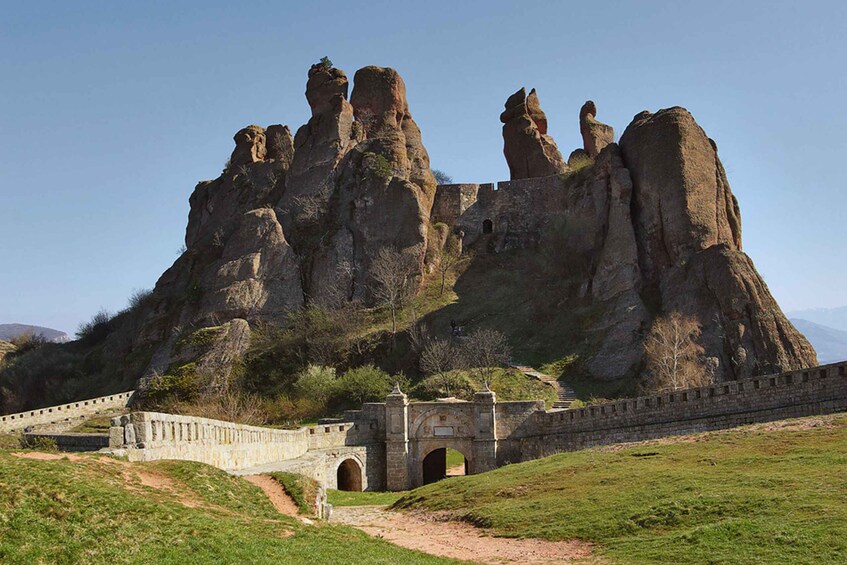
(110, 112)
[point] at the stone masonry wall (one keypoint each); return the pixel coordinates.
(794, 394)
(149, 436)
(57, 414)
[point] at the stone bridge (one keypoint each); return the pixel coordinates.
(397, 444)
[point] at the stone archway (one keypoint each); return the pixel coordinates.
(349, 476)
(434, 465)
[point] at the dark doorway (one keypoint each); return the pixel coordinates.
(487, 226)
(435, 465)
(349, 476)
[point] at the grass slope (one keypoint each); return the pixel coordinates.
(752, 495)
(95, 511)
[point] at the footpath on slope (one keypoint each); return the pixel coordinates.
(565, 394)
(435, 535)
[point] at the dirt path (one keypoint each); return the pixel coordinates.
(455, 539)
(275, 493)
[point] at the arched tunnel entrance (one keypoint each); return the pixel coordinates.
(443, 462)
(349, 476)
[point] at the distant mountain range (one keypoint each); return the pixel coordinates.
(830, 343)
(11, 331)
(835, 318)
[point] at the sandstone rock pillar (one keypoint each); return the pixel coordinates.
(485, 432)
(397, 440)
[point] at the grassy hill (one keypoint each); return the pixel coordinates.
(91, 509)
(761, 494)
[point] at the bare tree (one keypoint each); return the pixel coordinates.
(394, 282)
(448, 257)
(437, 359)
(484, 351)
(673, 356)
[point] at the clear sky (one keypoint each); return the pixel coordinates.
(110, 112)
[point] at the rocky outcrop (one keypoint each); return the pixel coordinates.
(688, 233)
(249, 146)
(529, 151)
(297, 219)
(595, 135)
(683, 202)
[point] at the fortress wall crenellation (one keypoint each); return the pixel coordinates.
(54, 415)
(759, 399)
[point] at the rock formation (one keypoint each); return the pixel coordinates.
(595, 135)
(660, 231)
(653, 227)
(529, 151)
(293, 220)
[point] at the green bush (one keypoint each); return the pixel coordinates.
(364, 384)
(39, 443)
(316, 382)
(375, 166)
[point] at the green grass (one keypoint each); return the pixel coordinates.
(96, 425)
(346, 498)
(64, 511)
(743, 496)
(454, 458)
(301, 489)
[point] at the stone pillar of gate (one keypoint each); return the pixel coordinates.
(485, 431)
(397, 440)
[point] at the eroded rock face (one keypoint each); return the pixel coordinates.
(529, 151)
(683, 202)
(688, 233)
(280, 144)
(249, 146)
(595, 135)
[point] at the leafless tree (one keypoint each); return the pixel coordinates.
(393, 281)
(437, 359)
(484, 351)
(673, 356)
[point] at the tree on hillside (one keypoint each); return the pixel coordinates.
(393, 274)
(484, 351)
(673, 354)
(437, 358)
(448, 257)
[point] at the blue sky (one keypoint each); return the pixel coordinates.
(110, 112)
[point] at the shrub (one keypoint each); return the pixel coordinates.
(316, 382)
(441, 177)
(579, 162)
(365, 384)
(39, 443)
(95, 330)
(376, 167)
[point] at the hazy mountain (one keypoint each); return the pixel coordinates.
(835, 318)
(830, 343)
(11, 331)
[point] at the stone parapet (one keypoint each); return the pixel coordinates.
(56, 414)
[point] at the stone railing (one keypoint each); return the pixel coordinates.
(62, 412)
(149, 436)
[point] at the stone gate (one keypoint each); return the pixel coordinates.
(386, 445)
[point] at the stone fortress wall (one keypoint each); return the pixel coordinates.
(389, 441)
(517, 209)
(55, 415)
(821, 390)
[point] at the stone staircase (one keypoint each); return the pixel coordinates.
(565, 394)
